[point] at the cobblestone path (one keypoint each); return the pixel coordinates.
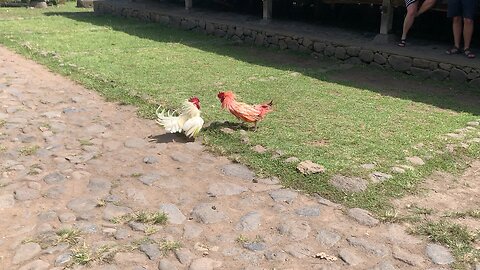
(83, 180)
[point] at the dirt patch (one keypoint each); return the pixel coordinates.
(446, 196)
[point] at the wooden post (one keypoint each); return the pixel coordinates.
(188, 4)
(267, 9)
(387, 17)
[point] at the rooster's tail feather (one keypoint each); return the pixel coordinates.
(168, 120)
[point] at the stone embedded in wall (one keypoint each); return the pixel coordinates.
(237, 40)
(174, 21)
(341, 53)
(366, 56)
(433, 65)
(259, 39)
(319, 47)
(274, 46)
(376, 65)
(210, 28)
(400, 63)
(304, 49)
(422, 63)
(299, 40)
(282, 44)
(231, 31)
(220, 32)
(145, 16)
(308, 43)
(202, 24)
(272, 39)
(124, 12)
(475, 82)
(292, 44)
(247, 32)
(421, 72)
(353, 51)
(132, 14)
(329, 51)
(445, 66)
(266, 43)
(379, 58)
(458, 75)
(249, 39)
(353, 60)
(156, 18)
(275, 39)
(439, 74)
(473, 75)
(148, 16)
(187, 24)
(254, 35)
(268, 39)
(239, 31)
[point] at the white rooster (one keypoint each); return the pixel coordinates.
(188, 121)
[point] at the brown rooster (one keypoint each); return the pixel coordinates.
(242, 111)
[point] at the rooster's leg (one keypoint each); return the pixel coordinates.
(254, 126)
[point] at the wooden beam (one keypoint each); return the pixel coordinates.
(387, 17)
(267, 9)
(188, 4)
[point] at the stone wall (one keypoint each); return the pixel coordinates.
(349, 54)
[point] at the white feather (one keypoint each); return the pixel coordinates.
(189, 120)
(192, 126)
(169, 121)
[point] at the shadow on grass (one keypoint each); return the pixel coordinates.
(226, 124)
(456, 97)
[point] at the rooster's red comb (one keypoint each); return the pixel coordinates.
(194, 99)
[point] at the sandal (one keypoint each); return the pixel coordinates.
(454, 50)
(468, 53)
(402, 43)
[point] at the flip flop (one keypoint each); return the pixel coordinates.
(454, 50)
(402, 43)
(468, 53)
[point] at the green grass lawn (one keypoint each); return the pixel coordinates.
(147, 64)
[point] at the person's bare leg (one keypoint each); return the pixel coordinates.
(409, 19)
(467, 32)
(425, 6)
(457, 30)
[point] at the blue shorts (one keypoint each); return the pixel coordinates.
(462, 8)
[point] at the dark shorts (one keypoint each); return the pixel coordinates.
(409, 2)
(462, 8)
